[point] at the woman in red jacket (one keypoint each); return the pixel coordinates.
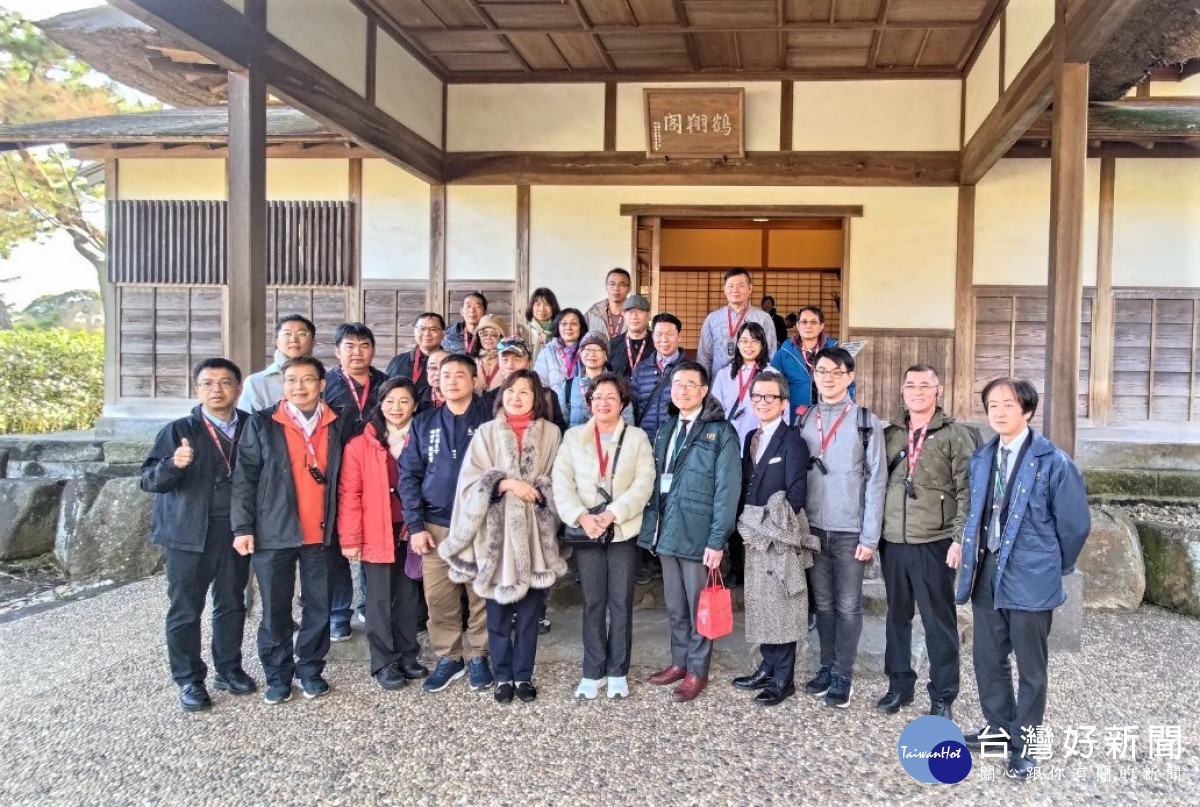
(372, 530)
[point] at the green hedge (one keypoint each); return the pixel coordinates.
(50, 380)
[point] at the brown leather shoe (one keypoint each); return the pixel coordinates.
(668, 676)
(689, 689)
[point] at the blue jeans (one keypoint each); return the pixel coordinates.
(836, 579)
(341, 586)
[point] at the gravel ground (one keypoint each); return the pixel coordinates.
(90, 716)
(1186, 515)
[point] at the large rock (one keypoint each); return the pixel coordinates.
(1066, 631)
(1172, 566)
(28, 513)
(112, 539)
(78, 497)
(1112, 560)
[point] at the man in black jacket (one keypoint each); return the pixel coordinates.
(429, 467)
(190, 470)
(427, 331)
(284, 511)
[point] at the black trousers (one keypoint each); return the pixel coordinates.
(606, 576)
(998, 634)
(780, 662)
(393, 601)
(513, 649)
(916, 576)
(276, 573)
(190, 575)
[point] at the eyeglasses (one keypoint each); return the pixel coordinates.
(686, 386)
(767, 398)
(748, 340)
(223, 383)
(429, 329)
(307, 381)
(491, 333)
(612, 399)
(615, 284)
(919, 387)
(296, 334)
(836, 375)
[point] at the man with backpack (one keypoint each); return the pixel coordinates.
(847, 481)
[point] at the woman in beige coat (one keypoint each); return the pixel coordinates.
(605, 454)
(503, 535)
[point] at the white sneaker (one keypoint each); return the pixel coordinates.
(588, 688)
(618, 687)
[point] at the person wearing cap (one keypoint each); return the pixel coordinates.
(607, 316)
(573, 393)
(634, 345)
(491, 330)
(515, 355)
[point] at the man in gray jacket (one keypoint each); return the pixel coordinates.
(847, 481)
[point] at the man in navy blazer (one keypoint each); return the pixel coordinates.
(1028, 521)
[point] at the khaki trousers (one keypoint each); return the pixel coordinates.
(444, 600)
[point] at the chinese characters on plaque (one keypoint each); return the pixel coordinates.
(695, 123)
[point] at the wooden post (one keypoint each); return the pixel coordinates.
(435, 300)
(357, 309)
(963, 386)
(1100, 393)
(523, 223)
(1068, 162)
(109, 292)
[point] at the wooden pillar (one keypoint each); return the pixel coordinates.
(110, 294)
(1100, 392)
(963, 386)
(523, 289)
(245, 306)
(356, 308)
(1068, 162)
(435, 299)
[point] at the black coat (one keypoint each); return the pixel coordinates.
(180, 515)
(339, 393)
(428, 467)
(618, 357)
(264, 493)
(784, 466)
(402, 366)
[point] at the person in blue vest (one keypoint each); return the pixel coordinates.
(1028, 522)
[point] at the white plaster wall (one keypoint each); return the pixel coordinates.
(761, 113)
(983, 84)
(902, 251)
(406, 90)
(1012, 223)
(171, 179)
(1188, 88)
(876, 115)
(481, 232)
(525, 117)
(1027, 22)
(303, 180)
(1156, 223)
(332, 33)
(395, 223)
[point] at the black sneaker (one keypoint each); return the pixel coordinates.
(504, 692)
(193, 697)
(942, 709)
(314, 687)
(339, 632)
(819, 685)
(278, 693)
(893, 701)
(235, 682)
(391, 677)
(526, 692)
(840, 690)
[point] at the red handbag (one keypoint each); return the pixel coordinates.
(714, 615)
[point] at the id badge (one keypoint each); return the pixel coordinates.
(730, 348)
(664, 484)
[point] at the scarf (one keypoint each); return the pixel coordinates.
(519, 424)
(396, 439)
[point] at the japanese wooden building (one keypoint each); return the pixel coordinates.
(937, 175)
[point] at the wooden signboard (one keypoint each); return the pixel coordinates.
(695, 123)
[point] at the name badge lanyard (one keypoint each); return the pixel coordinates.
(468, 341)
(487, 377)
(914, 454)
(416, 370)
(310, 453)
(361, 400)
(743, 388)
(613, 325)
(629, 353)
(826, 439)
(602, 457)
(570, 362)
(734, 326)
(228, 459)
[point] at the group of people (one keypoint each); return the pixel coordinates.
(464, 477)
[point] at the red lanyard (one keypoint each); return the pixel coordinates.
(468, 341)
(744, 387)
(602, 457)
(212, 432)
(416, 370)
(487, 377)
(733, 326)
(613, 332)
(311, 453)
(914, 452)
(827, 439)
(629, 353)
(569, 366)
(361, 400)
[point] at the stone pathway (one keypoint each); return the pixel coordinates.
(90, 716)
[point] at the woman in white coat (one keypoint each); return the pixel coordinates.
(603, 478)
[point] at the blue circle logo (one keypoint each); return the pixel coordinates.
(932, 750)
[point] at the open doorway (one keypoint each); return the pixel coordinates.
(796, 260)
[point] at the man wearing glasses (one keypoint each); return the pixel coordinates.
(847, 478)
(294, 336)
(284, 514)
(928, 496)
(718, 336)
(428, 330)
(607, 316)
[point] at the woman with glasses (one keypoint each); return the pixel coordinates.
(731, 386)
(491, 330)
(603, 478)
(560, 358)
(573, 395)
(543, 308)
(797, 356)
(503, 535)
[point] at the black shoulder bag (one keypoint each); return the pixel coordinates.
(577, 535)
